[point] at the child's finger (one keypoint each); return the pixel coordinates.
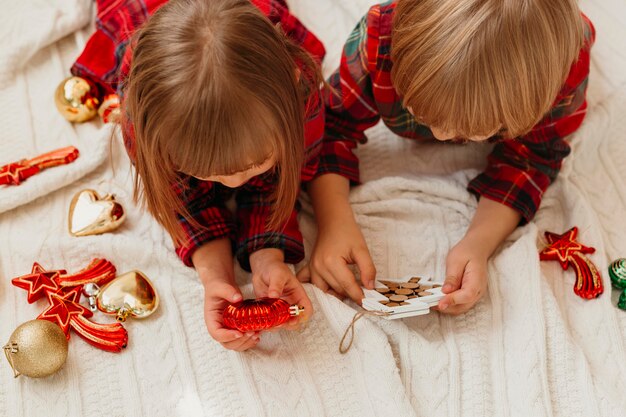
(366, 267)
(319, 282)
(304, 275)
(241, 344)
(277, 284)
(223, 335)
(225, 291)
(347, 281)
(466, 295)
(327, 282)
(454, 274)
(458, 309)
(298, 296)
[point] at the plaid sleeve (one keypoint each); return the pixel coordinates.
(520, 170)
(350, 104)
(253, 211)
(116, 21)
(278, 13)
(204, 202)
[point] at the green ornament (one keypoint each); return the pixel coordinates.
(622, 301)
(617, 272)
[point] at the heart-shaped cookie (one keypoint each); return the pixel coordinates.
(130, 294)
(91, 214)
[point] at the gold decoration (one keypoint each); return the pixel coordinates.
(91, 214)
(130, 294)
(75, 100)
(36, 349)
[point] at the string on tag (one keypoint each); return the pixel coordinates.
(350, 328)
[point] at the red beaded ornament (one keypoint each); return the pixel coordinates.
(261, 314)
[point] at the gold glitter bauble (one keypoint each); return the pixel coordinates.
(36, 349)
(75, 100)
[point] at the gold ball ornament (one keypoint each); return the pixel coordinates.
(75, 99)
(37, 348)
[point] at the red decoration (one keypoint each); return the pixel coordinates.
(16, 172)
(569, 252)
(38, 283)
(109, 110)
(261, 314)
(99, 271)
(63, 292)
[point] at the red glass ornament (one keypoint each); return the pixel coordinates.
(260, 314)
(109, 110)
(569, 252)
(63, 292)
(16, 172)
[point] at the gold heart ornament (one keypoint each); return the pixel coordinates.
(131, 294)
(91, 214)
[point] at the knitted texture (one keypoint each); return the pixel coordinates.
(529, 348)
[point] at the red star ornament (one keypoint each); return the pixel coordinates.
(61, 309)
(15, 173)
(65, 311)
(569, 252)
(38, 283)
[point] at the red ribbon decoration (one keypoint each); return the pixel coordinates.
(569, 252)
(63, 292)
(15, 173)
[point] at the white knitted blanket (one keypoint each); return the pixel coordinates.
(530, 348)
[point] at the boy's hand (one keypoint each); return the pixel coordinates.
(340, 243)
(272, 278)
(466, 266)
(466, 278)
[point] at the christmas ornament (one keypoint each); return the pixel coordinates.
(76, 99)
(569, 252)
(131, 294)
(36, 349)
(259, 314)
(91, 214)
(621, 303)
(63, 292)
(16, 172)
(109, 110)
(617, 272)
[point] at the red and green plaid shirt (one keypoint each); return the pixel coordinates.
(106, 60)
(518, 170)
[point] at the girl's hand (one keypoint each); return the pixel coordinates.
(272, 278)
(217, 295)
(340, 243)
(214, 263)
(466, 278)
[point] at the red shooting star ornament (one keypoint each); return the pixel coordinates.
(569, 252)
(15, 173)
(63, 292)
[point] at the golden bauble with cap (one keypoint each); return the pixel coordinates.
(37, 348)
(76, 100)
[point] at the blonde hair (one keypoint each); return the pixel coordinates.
(475, 67)
(213, 89)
